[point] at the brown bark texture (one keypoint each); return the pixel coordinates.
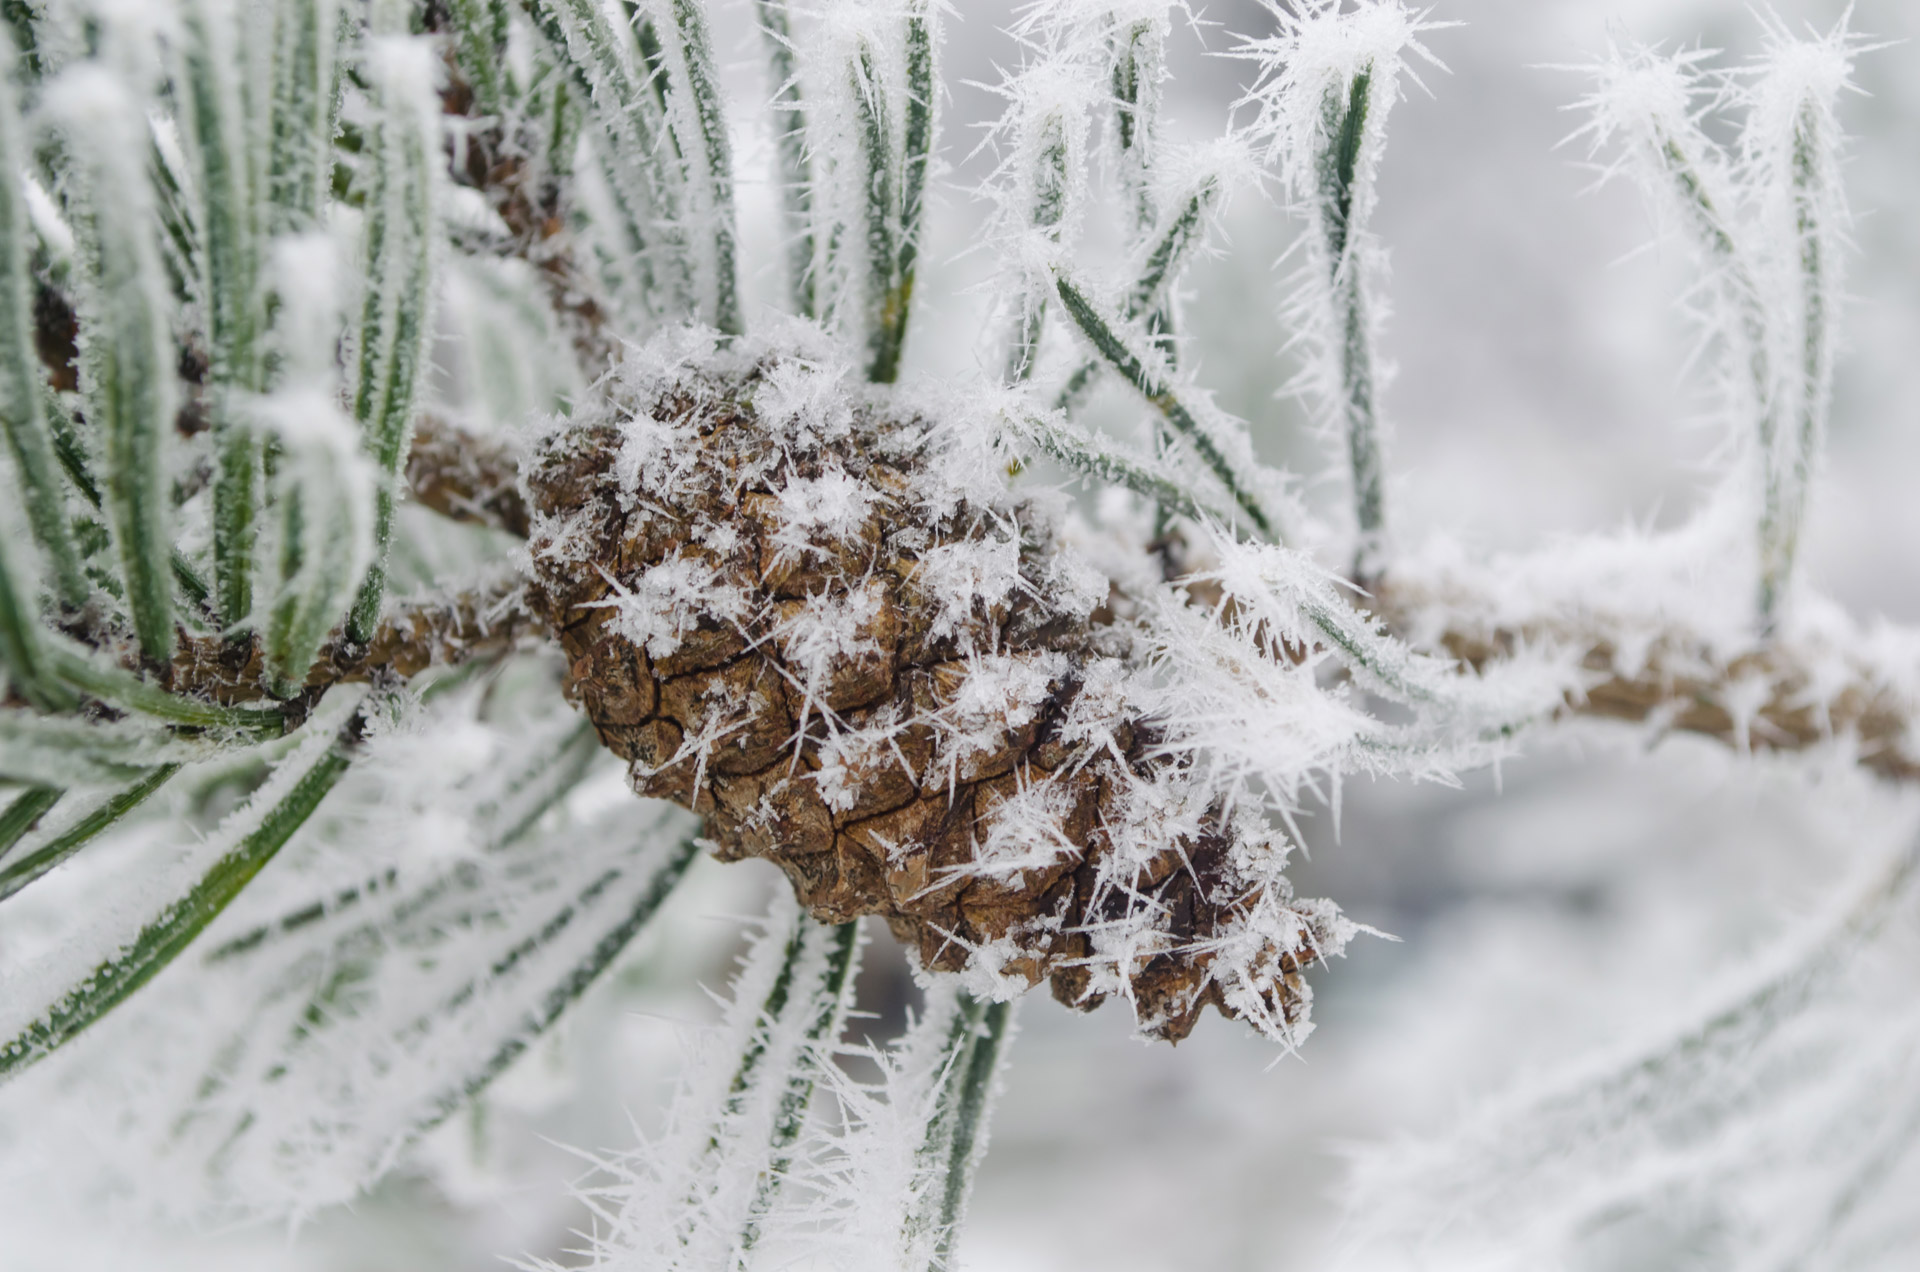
(1843, 691)
(487, 620)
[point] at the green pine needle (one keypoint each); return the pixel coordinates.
(175, 927)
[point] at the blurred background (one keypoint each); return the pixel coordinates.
(1544, 388)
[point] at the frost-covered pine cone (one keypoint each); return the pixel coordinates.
(827, 626)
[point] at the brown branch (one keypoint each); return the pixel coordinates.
(466, 477)
(1780, 696)
(443, 632)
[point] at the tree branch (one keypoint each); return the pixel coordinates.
(1782, 695)
(466, 477)
(440, 632)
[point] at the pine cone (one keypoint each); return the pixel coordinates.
(826, 625)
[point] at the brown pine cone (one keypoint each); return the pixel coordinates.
(825, 624)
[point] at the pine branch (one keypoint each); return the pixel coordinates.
(466, 477)
(1775, 697)
(447, 631)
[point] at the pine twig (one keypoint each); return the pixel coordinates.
(1775, 697)
(448, 631)
(466, 477)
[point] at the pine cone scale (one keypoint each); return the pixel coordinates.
(877, 683)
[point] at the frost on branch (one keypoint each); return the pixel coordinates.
(820, 620)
